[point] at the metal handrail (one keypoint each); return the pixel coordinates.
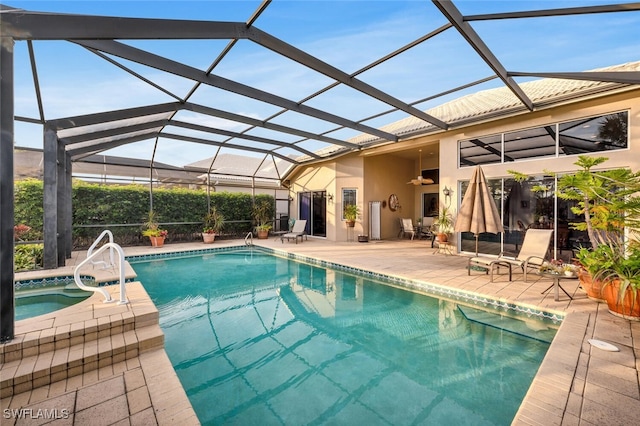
(250, 238)
(95, 243)
(105, 293)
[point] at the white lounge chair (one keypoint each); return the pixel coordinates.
(532, 253)
(296, 232)
(406, 227)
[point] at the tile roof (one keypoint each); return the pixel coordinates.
(490, 103)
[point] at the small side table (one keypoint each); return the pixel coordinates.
(444, 248)
(556, 284)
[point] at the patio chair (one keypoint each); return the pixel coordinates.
(532, 254)
(426, 229)
(406, 227)
(298, 231)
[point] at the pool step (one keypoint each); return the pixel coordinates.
(84, 337)
(64, 362)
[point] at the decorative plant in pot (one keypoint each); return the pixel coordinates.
(263, 213)
(620, 274)
(213, 223)
(151, 229)
(351, 213)
(444, 222)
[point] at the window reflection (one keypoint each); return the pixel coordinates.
(590, 134)
(523, 206)
(594, 134)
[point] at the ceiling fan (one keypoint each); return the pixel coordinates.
(420, 180)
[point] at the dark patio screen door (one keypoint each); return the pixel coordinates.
(313, 208)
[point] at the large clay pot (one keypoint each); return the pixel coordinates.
(442, 237)
(628, 308)
(263, 234)
(351, 223)
(208, 238)
(157, 241)
(593, 288)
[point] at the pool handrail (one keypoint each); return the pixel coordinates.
(248, 240)
(105, 293)
(95, 243)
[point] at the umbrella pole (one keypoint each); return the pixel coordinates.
(476, 244)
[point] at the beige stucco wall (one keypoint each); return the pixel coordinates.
(380, 172)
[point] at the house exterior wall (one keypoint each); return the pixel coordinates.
(379, 172)
(629, 157)
(386, 175)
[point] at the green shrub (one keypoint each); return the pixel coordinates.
(28, 257)
(98, 207)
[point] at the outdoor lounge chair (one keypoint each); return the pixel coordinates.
(406, 227)
(532, 253)
(296, 232)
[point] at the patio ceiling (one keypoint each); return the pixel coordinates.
(208, 113)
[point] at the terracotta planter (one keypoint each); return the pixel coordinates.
(593, 289)
(442, 238)
(157, 241)
(208, 238)
(263, 234)
(351, 223)
(628, 308)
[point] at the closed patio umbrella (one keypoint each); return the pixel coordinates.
(478, 212)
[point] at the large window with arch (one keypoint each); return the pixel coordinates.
(582, 136)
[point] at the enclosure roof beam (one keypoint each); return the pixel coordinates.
(214, 130)
(176, 68)
(607, 8)
(271, 126)
(28, 25)
(226, 145)
(278, 46)
(624, 77)
(451, 12)
(103, 146)
(84, 137)
(116, 115)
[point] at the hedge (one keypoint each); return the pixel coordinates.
(180, 211)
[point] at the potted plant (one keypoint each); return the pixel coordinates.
(213, 223)
(262, 213)
(621, 277)
(444, 223)
(151, 229)
(351, 213)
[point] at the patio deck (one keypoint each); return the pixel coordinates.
(135, 384)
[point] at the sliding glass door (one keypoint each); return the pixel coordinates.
(313, 208)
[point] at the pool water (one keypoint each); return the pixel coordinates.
(258, 339)
(33, 302)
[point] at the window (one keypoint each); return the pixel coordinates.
(349, 197)
(590, 134)
(603, 133)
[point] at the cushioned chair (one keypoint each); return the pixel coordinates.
(532, 254)
(296, 232)
(406, 227)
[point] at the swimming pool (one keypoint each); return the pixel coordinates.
(256, 338)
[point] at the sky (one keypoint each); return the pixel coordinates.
(345, 34)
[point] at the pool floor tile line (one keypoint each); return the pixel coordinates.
(570, 387)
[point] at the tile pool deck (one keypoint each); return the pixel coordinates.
(132, 382)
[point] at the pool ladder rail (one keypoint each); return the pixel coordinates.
(248, 240)
(111, 246)
(95, 243)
